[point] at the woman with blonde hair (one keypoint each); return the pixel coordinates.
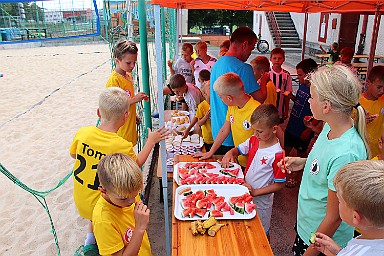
(335, 92)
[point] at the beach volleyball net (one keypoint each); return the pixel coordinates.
(48, 20)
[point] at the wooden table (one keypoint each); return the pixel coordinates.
(365, 56)
(239, 237)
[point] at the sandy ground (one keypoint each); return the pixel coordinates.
(65, 83)
(47, 94)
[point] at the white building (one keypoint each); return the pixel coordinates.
(53, 16)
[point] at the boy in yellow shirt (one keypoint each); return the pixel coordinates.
(125, 53)
(373, 103)
(230, 89)
(203, 113)
(119, 218)
(92, 143)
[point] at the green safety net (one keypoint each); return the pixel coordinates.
(39, 195)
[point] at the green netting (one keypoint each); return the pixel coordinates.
(40, 197)
(48, 20)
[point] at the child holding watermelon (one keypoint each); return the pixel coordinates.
(359, 187)
(262, 176)
(335, 92)
(119, 218)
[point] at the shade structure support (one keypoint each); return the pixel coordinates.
(160, 81)
(375, 32)
(304, 35)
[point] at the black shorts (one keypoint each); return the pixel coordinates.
(207, 146)
(222, 150)
(295, 142)
(299, 247)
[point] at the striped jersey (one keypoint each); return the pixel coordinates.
(283, 82)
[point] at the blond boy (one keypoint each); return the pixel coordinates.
(360, 191)
(119, 218)
(91, 144)
(230, 89)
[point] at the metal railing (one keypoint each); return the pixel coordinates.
(275, 27)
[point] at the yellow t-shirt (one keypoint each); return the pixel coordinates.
(375, 127)
(241, 127)
(113, 227)
(271, 94)
(128, 130)
(90, 144)
(206, 130)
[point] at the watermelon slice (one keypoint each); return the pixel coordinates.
(233, 200)
(200, 212)
(200, 204)
(220, 206)
(233, 173)
(249, 207)
(185, 204)
(215, 213)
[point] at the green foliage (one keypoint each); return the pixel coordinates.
(209, 18)
(32, 11)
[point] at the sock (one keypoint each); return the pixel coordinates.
(90, 239)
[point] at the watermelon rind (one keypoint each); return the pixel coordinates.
(184, 190)
(187, 193)
(239, 207)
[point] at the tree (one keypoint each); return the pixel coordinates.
(209, 18)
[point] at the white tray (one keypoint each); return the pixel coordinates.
(216, 170)
(221, 190)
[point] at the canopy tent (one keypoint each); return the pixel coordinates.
(304, 6)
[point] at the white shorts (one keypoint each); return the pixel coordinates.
(265, 218)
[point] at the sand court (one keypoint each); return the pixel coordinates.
(55, 89)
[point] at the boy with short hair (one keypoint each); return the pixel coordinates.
(282, 80)
(261, 66)
(297, 135)
(183, 64)
(203, 113)
(230, 89)
(92, 143)
(360, 191)
(333, 52)
(119, 218)
(188, 94)
(125, 54)
(262, 176)
(373, 103)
